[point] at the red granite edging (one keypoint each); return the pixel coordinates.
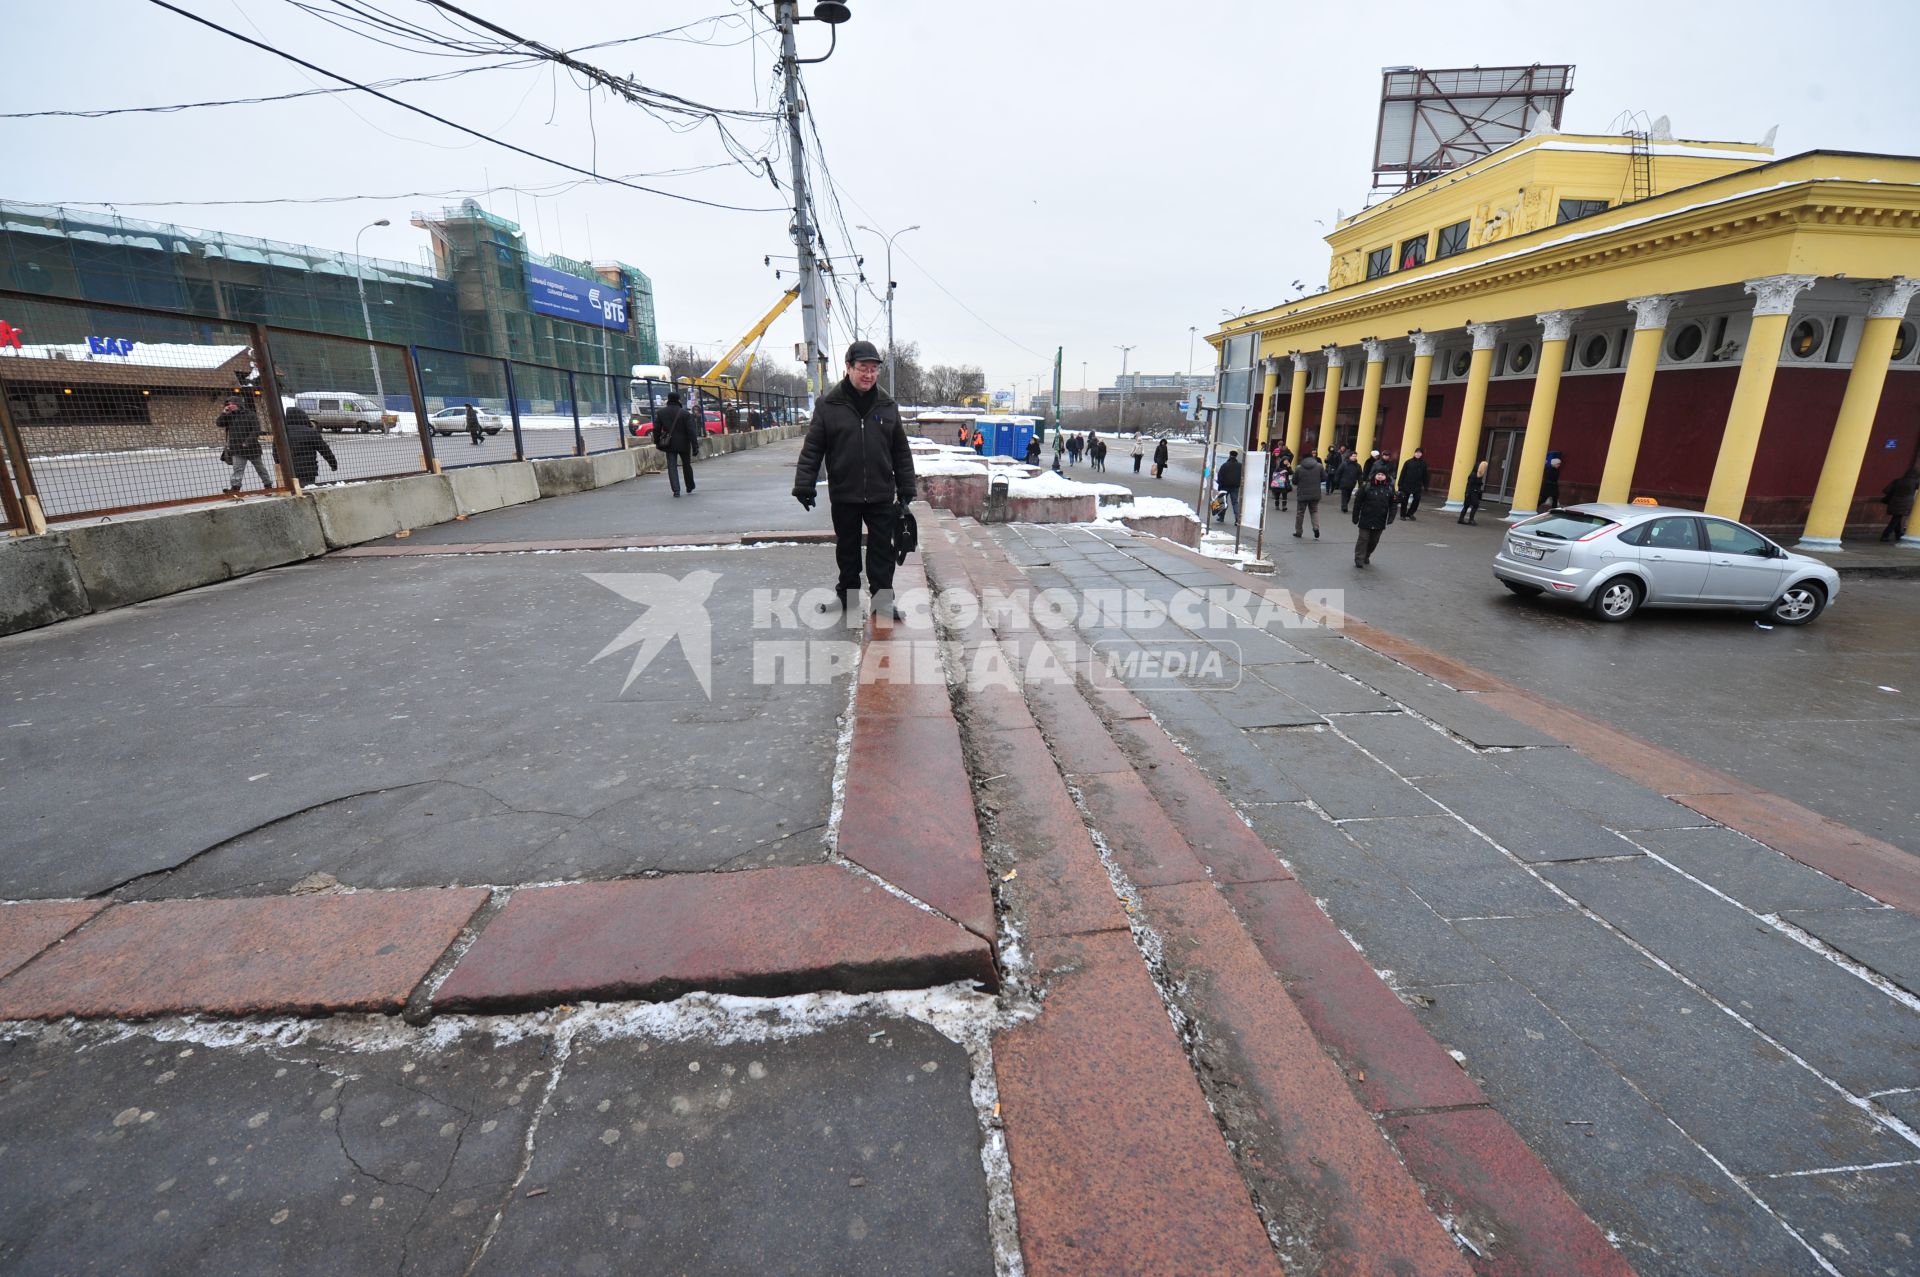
(277, 955)
(527, 547)
(30, 926)
(1475, 1169)
(1336, 1182)
(1118, 1166)
(762, 932)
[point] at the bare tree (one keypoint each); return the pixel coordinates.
(948, 384)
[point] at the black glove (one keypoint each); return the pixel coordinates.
(805, 499)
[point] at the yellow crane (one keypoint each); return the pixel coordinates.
(716, 378)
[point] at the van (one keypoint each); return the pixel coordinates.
(338, 410)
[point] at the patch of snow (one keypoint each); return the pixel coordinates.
(1049, 484)
(1147, 508)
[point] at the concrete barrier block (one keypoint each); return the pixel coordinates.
(1174, 527)
(649, 460)
(39, 583)
(611, 468)
(139, 559)
(360, 512)
(562, 476)
(1042, 510)
(958, 493)
(477, 488)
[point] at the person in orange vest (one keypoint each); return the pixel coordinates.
(979, 441)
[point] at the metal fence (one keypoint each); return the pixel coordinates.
(107, 409)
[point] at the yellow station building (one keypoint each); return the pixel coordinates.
(1696, 322)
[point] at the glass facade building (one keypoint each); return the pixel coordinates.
(479, 297)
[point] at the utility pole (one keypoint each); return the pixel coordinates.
(1121, 381)
(788, 14)
(1192, 330)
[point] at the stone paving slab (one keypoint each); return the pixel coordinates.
(1331, 1186)
(28, 927)
(1599, 792)
(1204, 819)
(1877, 868)
(765, 932)
(1253, 705)
(853, 1150)
(909, 817)
(1671, 1211)
(1456, 872)
(1341, 780)
(1757, 876)
(1844, 1026)
(1886, 941)
(1410, 746)
(1219, 748)
(306, 955)
(1705, 1071)
(1118, 1166)
(1861, 1221)
(1524, 819)
(1323, 690)
(143, 1156)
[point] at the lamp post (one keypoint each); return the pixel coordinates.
(366, 320)
(1192, 330)
(889, 239)
(1122, 381)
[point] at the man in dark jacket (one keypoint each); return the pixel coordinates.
(856, 432)
(673, 428)
(1373, 510)
(1347, 478)
(1413, 482)
(242, 426)
(1308, 480)
(473, 423)
(1227, 480)
(306, 446)
(1550, 484)
(1160, 459)
(1899, 498)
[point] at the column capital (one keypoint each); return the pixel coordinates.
(1270, 365)
(1557, 325)
(1336, 357)
(1774, 294)
(1424, 344)
(1485, 335)
(1889, 300)
(1650, 313)
(1376, 350)
(1302, 360)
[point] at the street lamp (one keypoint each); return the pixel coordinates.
(360, 282)
(1122, 380)
(889, 239)
(1191, 332)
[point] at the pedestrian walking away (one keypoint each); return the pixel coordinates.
(473, 424)
(1160, 458)
(1899, 498)
(673, 434)
(306, 445)
(1373, 509)
(1074, 445)
(1309, 480)
(1476, 486)
(242, 426)
(856, 434)
(1138, 453)
(1227, 480)
(1413, 482)
(1550, 484)
(1098, 447)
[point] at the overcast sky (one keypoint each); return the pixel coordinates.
(1084, 175)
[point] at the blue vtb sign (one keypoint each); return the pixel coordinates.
(585, 301)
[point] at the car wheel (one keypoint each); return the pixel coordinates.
(1803, 601)
(1618, 599)
(1524, 590)
(494, 431)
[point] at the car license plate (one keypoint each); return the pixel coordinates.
(1526, 551)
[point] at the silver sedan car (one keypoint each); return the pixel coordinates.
(1618, 558)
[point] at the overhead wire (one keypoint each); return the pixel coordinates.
(385, 97)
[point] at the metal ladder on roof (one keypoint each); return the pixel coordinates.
(1641, 164)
